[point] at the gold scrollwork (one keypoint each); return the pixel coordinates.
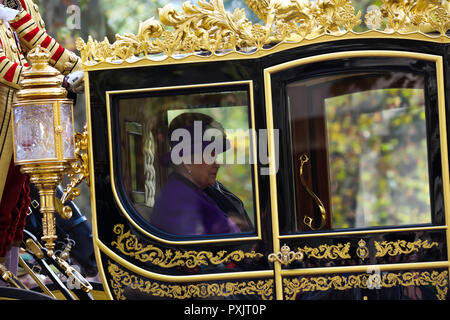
(439, 280)
(79, 171)
(122, 280)
(325, 251)
(208, 27)
(394, 248)
(128, 244)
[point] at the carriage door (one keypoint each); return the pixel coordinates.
(360, 188)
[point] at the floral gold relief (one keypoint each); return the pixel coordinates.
(128, 244)
(209, 28)
(122, 282)
(437, 279)
(411, 16)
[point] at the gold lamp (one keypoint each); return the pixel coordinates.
(44, 135)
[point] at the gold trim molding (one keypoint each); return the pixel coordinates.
(394, 248)
(208, 28)
(128, 244)
(121, 279)
(438, 279)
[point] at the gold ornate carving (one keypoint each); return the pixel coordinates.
(121, 280)
(78, 172)
(285, 256)
(325, 251)
(394, 248)
(411, 16)
(438, 279)
(129, 245)
(209, 28)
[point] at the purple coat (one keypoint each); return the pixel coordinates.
(181, 208)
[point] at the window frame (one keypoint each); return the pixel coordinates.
(125, 205)
(273, 94)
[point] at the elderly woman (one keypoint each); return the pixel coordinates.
(192, 202)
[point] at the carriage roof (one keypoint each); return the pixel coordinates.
(207, 31)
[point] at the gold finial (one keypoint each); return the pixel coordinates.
(39, 55)
(41, 80)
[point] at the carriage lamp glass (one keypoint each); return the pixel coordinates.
(43, 134)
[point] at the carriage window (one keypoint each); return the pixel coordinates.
(359, 151)
(179, 165)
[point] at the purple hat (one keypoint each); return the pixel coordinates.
(192, 132)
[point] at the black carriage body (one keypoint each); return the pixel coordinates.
(139, 261)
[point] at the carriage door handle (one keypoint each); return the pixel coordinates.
(285, 256)
(308, 220)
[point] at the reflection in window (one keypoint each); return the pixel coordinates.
(134, 135)
(378, 158)
(190, 198)
(365, 136)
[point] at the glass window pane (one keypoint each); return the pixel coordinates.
(365, 138)
(160, 173)
(32, 141)
(378, 158)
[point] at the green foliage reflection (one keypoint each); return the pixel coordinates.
(378, 158)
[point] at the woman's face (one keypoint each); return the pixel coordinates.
(203, 174)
